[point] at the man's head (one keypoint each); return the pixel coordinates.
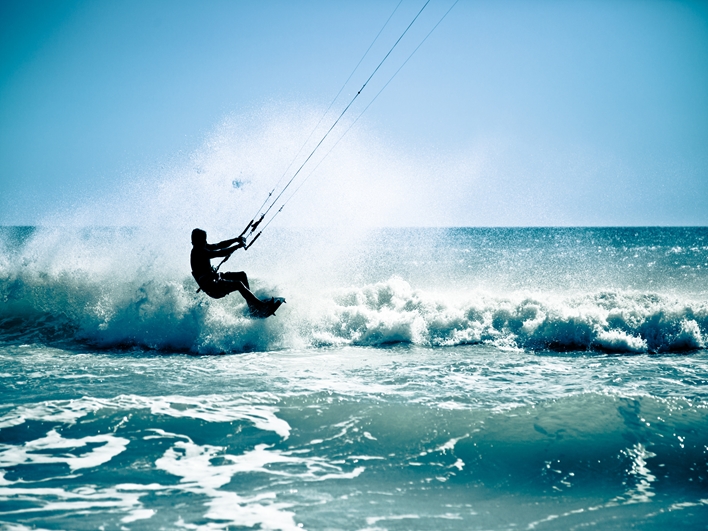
(198, 237)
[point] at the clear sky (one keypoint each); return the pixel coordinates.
(511, 113)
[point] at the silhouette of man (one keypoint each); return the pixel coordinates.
(218, 285)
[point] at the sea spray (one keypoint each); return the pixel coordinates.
(110, 288)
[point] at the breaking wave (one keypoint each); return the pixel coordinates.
(608, 321)
(168, 315)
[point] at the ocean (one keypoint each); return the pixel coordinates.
(416, 379)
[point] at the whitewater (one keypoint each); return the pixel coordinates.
(417, 378)
(630, 290)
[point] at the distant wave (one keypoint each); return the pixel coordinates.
(168, 315)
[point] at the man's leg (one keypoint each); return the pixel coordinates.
(235, 282)
(246, 293)
(239, 276)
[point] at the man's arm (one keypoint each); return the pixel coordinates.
(211, 252)
(239, 241)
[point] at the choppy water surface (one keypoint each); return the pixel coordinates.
(353, 438)
(419, 379)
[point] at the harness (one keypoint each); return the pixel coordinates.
(208, 283)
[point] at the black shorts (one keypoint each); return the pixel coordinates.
(220, 285)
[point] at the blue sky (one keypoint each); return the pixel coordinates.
(511, 113)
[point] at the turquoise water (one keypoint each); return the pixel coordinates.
(415, 379)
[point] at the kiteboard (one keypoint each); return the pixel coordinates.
(264, 308)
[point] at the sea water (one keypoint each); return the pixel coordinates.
(416, 379)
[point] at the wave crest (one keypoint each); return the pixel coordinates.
(392, 311)
(168, 315)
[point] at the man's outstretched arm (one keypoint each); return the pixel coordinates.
(239, 241)
(216, 253)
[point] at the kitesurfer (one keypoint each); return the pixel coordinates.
(214, 284)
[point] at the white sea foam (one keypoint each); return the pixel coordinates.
(392, 311)
(168, 315)
(34, 452)
(123, 288)
(209, 408)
